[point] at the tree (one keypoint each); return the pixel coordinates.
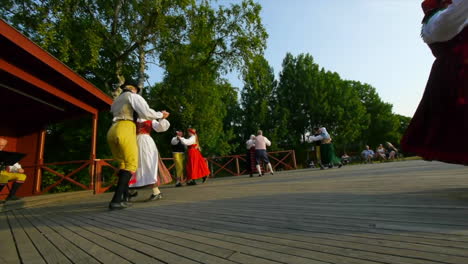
(256, 97)
(213, 42)
(383, 124)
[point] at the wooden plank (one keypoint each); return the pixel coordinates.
(246, 248)
(173, 251)
(74, 253)
(330, 227)
(109, 244)
(100, 253)
(143, 253)
(209, 232)
(48, 251)
(339, 250)
(8, 253)
(26, 249)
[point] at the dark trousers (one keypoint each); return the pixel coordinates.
(122, 186)
(261, 155)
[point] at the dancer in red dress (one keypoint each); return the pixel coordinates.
(196, 166)
(439, 127)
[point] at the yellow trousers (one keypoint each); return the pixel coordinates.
(179, 159)
(319, 155)
(6, 176)
(122, 141)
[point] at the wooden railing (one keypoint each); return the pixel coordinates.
(53, 168)
(235, 165)
(100, 181)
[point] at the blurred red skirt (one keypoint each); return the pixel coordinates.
(196, 166)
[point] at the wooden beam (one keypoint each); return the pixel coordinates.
(19, 73)
(32, 48)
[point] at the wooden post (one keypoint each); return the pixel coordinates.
(97, 176)
(237, 165)
(294, 159)
(93, 151)
(39, 162)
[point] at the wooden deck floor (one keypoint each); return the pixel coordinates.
(412, 212)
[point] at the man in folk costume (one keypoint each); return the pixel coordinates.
(13, 173)
(149, 160)
(250, 155)
(122, 140)
(261, 144)
(196, 164)
(326, 148)
(178, 153)
(444, 105)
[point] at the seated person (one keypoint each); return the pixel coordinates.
(12, 173)
(392, 151)
(367, 154)
(345, 159)
(381, 153)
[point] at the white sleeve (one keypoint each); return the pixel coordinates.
(174, 141)
(142, 108)
(15, 168)
(315, 138)
(160, 126)
(267, 142)
(447, 23)
(190, 141)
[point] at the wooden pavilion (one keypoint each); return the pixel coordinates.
(36, 89)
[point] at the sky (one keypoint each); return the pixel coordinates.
(372, 41)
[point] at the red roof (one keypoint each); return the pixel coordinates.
(37, 89)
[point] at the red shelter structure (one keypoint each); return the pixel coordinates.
(36, 89)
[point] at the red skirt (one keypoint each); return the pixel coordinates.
(439, 128)
(196, 165)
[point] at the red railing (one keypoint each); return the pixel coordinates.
(100, 182)
(285, 160)
(68, 177)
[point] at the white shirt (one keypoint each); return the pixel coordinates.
(250, 143)
(139, 105)
(446, 24)
(15, 168)
(189, 141)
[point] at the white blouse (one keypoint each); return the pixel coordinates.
(140, 105)
(189, 141)
(446, 24)
(15, 168)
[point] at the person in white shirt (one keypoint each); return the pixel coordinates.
(13, 173)
(122, 138)
(261, 155)
(444, 105)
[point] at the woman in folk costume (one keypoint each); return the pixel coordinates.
(326, 148)
(250, 155)
(196, 166)
(439, 128)
(149, 160)
(121, 138)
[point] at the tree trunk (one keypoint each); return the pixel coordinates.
(142, 67)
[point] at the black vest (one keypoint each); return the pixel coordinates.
(180, 147)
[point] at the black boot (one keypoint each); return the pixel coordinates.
(122, 187)
(14, 188)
